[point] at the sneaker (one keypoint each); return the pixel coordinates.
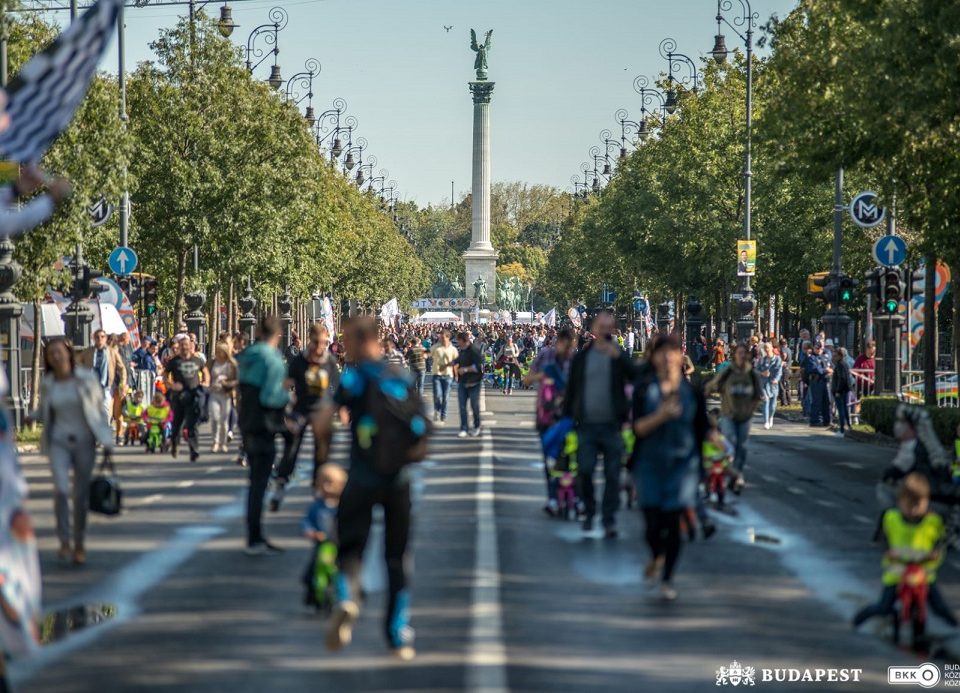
(551, 508)
(738, 484)
(173, 451)
(667, 592)
(651, 571)
(610, 533)
(405, 653)
(263, 548)
(194, 456)
(340, 631)
(276, 495)
(442, 422)
(587, 525)
(229, 436)
(436, 416)
(475, 433)
(839, 434)
(709, 530)
(462, 434)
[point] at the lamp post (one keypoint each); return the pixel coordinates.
(247, 304)
(626, 125)
(270, 32)
(607, 138)
(349, 161)
(304, 80)
(747, 21)
(579, 188)
(648, 97)
(677, 61)
(365, 171)
(331, 117)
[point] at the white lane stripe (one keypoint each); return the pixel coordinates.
(486, 657)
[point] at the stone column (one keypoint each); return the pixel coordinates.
(481, 257)
(248, 318)
(195, 318)
(10, 312)
(285, 305)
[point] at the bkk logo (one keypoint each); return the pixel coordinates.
(738, 674)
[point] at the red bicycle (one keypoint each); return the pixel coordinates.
(717, 479)
(912, 596)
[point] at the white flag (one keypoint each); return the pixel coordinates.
(390, 310)
(550, 319)
(326, 314)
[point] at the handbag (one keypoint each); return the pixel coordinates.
(106, 496)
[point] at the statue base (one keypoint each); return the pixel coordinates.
(481, 262)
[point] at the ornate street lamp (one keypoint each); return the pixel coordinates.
(226, 25)
(627, 125)
(304, 80)
(677, 61)
(269, 33)
(607, 138)
(648, 96)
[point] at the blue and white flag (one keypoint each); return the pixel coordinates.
(44, 97)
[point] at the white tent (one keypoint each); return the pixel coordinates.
(439, 316)
(104, 314)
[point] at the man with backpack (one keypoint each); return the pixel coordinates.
(389, 431)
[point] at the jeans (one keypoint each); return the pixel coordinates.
(353, 527)
(79, 455)
(471, 392)
(220, 406)
(888, 597)
(663, 537)
(511, 372)
(441, 393)
(292, 442)
(769, 408)
(185, 416)
(594, 439)
(260, 450)
(736, 433)
(843, 410)
(419, 377)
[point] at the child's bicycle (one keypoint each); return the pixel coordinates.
(155, 438)
(912, 600)
(321, 594)
(717, 480)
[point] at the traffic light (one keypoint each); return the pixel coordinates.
(817, 285)
(131, 287)
(918, 281)
(845, 289)
(149, 289)
(892, 290)
(873, 283)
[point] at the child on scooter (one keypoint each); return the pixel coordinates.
(133, 418)
(320, 526)
(157, 415)
(913, 535)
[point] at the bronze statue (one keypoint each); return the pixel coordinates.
(480, 64)
(480, 291)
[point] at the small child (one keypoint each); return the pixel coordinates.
(320, 526)
(717, 460)
(133, 418)
(563, 472)
(156, 416)
(914, 535)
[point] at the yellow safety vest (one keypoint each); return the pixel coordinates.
(158, 415)
(911, 541)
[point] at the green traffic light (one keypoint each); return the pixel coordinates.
(151, 310)
(846, 295)
(892, 305)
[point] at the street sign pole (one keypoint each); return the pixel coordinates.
(835, 320)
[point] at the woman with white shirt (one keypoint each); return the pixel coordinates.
(74, 421)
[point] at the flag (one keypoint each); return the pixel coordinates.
(389, 311)
(574, 316)
(550, 319)
(326, 314)
(44, 97)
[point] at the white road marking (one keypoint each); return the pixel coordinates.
(486, 656)
(796, 491)
(186, 484)
(850, 465)
(213, 470)
(825, 503)
(769, 479)
(864, 519)
(151, 499)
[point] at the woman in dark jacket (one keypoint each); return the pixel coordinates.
(670, 422)
(841, 389)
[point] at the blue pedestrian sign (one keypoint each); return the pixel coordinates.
(640, 306)
(122, 261)
(608, 296)
(890, 251)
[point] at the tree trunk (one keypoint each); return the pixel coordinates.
(231, 307)
(214, 322)
(181, 289)
(34, 403)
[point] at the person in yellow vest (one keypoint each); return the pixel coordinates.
(157, 415)
(914, 535)
(133, 418)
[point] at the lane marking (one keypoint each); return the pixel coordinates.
(486, 655)
(186, 484)
(863, 519)
(826, 503)
(151, 499)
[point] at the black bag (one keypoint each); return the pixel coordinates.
(393, 402)
(106, 496)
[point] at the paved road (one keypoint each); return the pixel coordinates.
(504, 597)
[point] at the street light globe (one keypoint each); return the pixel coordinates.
(226, 25)
(596, 184)
(623, 152)
(275, 80)
(309, 116)
(360, 177)
(337, 148)
(349, 162)
(643, 132)
(671, 103)
(607, 170)
(719, 51)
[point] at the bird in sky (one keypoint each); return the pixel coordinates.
(448, 28)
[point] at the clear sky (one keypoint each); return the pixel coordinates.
(562, 68)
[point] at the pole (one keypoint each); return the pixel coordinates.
(837, 220)
(122, 83)
(4, 65)
(73, 10)
(930, 333)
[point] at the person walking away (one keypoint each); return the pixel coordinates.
(108, 367)
(786, 358)
(740, 392)
(841, 386)
(818, 369)
(771, 374)
(223, 381)
(391, 353)
(185, 374)
(74, 421)
(263, 399)
(596, 400)
(294, 349)
(417, 361)
(670, 425)
(719, 355)
(468, 372)
(509, 358)
(388, 431)
(631, 341)
(444, 356)
(314, 373)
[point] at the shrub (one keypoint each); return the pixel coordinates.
(879, 412)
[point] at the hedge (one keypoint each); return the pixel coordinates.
(879, 412)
